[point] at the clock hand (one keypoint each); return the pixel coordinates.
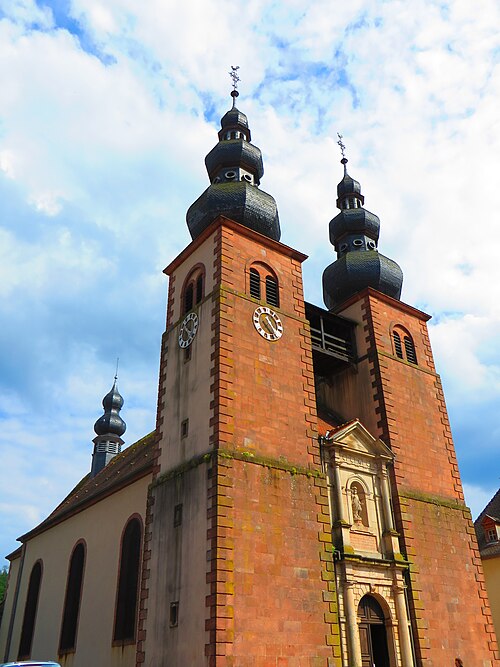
(269, 325)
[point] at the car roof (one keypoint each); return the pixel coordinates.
(30, 663)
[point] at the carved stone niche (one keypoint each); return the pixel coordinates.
(357, 465)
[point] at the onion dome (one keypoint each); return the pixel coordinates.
(348, 186)
(235, 168)
(111, 422)
(354, 233)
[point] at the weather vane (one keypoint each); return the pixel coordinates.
(235, 78)
(342, 150)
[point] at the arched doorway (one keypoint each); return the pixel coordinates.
(372, 633)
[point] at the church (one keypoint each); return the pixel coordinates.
(299, 502)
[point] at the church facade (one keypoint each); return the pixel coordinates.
(299, 502)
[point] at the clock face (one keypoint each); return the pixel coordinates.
(267, 323)
(188, 329)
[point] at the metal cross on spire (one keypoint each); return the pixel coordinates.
(342, 150)
(235, 78)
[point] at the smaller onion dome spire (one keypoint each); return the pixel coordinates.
(109, 429)
(235, 170)
(111, 422)
(354, 233)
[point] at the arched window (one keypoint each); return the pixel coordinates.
(194, 288)
(404, 347)
(260, 272)
(30, 608)
(72, 600)
(128, 581)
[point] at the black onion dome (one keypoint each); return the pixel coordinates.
(348, 186)
(354, 233)
(239, 201)
(111, 422)
(354, 220)
(234, 118)
(355, 271)
(229, 153)
(235, 168)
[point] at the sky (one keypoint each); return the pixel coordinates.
(107, 110)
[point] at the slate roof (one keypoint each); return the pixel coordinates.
(492, 509)
(132, 463)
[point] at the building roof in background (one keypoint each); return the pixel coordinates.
(131, 464)
(492, 510)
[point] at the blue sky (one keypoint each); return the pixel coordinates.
(107, 110)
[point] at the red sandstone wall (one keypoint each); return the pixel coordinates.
(266, 400)
(449, 605)
(272, 598)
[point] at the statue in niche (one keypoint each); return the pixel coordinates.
(357, 506)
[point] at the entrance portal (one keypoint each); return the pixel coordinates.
(372, 633)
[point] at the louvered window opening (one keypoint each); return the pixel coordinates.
(272, 292)
(199, 288)
(397, 344)
(188, 298)
(411, 355)
(254, 284)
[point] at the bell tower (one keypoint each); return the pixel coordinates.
(396, 393)
(238, 560)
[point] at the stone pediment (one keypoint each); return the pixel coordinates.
(354, 440)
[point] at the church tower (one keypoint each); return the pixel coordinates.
(109, 428)
(238, 558)
(395, 392)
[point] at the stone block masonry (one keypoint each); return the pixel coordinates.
(448, 604)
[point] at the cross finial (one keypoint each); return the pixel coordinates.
(235, 78)
(116, 373)
(342, 150)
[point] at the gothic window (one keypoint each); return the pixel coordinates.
(404, 347)
(128, 581)
(261, 274)
(72, 600)
(30, 608)
(194, 288)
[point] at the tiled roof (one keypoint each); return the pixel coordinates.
(133, 463)
(492, 509)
